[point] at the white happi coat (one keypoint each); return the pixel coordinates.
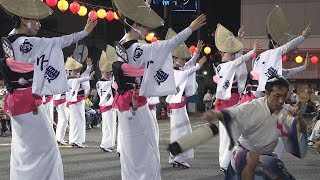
(63, 118)
(227, 72)
(179, 119)
(109, 117)
(156, 59)
(77, 119)
(269, 62)
(137, 132)
(34, 152)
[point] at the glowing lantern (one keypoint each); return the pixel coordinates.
(110, 15)
(314, 59)
(192, 49)
(149, 37)
(82, 11)
(63, 5)
(74, 7)
(284, 58)
(115, 16)
(52, 3)
(101, 13)
(93, 15)
(207, 50)
(299, 59)
(154, 39)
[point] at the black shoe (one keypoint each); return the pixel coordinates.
(77, 145)
(106, 149)
(62, 143)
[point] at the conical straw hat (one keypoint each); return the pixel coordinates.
(225, 40)
(182, 51)
(107, 58)
(140, 12)
(278, 26)
(33, 9)
(72, 64)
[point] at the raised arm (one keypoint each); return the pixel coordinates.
(194, 58)
(290, 72)
(246, 57)
(86, 73)
(67, 40)
(195, 68)
(291, 45)
(183, 35)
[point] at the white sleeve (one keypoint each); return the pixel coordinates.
(86, 73)
(67, 40)
(179, 38)
(289, 46)
(242, 59)
(290, 72)
(192, 70)
(192, 61)
(83, 79)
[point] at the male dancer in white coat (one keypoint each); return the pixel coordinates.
(33, 67)
(75, 98)
(136, 125)
(230, 77)
(104, 88)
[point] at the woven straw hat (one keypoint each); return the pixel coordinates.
(140, 12)
(33, 9)
(107, 58)
(314, 97)
(303, 97)
(278, 27)
(225, 40)
(181, 51)
(72, 64)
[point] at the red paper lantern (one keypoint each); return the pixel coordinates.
(52, 3)
(93, 15)
(110, 15)
(192, 49)
(74, 7)
(284, 58)
(314, 60)
(154, 39)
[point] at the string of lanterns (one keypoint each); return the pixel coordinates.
(299, 59)
(80, 8)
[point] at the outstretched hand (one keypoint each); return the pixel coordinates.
(202, 61)
(306, 32)
(241, 32)
(199, 46)
(198, 22)
(90, 25)
(256, 46)
(89, 61)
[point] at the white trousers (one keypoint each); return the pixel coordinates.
(224, 143)
(108, 129)
(137, 135)
(63, 118)
(34, 150)
(49, 110)
(180, 126)
(77, 123)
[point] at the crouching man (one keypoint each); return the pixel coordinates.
(255, 127)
